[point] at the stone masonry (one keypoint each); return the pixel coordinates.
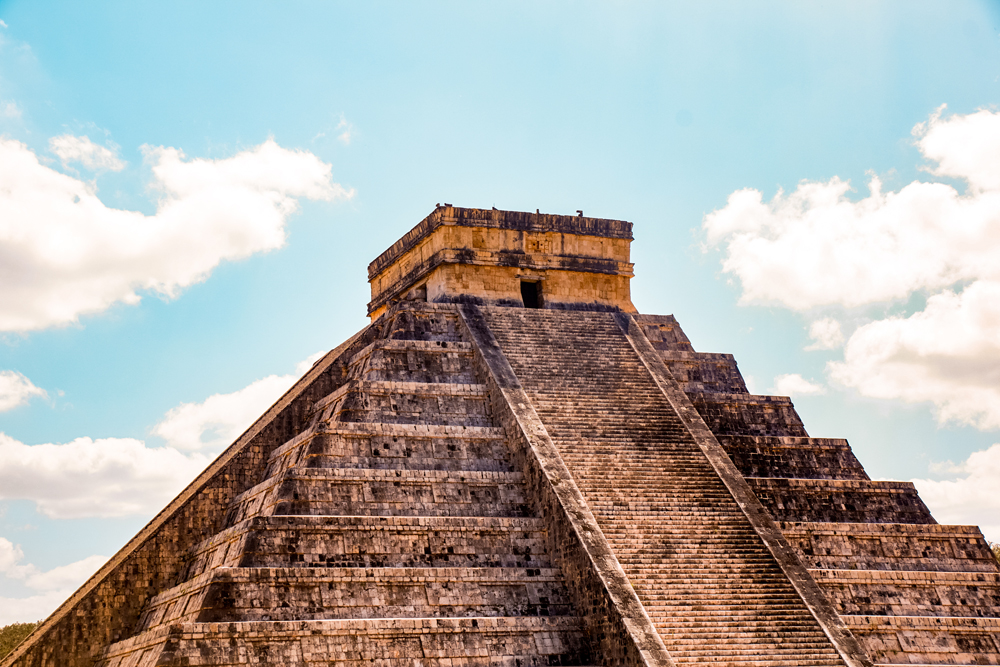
(510, 466)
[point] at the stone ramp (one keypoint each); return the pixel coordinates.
(710, 585)
(392, 531)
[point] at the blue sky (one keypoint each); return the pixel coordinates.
(651, 112)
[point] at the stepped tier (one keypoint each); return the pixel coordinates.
(789, 456)
(511, 468)
(288, 594)
(518, 487)
(845, 500)
(390, 446)
(916, 593)
(927, 594)
(700, 372)
(397, 501)
(379, 492)
(891, 546)
(390, 402)
(360, 541)
(928, 640)
(422, 642)
(414, 361)
(748, 414)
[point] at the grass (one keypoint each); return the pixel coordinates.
(12, 635)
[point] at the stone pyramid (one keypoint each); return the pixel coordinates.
(510, 466)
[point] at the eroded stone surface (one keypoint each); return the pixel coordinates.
(519, 489)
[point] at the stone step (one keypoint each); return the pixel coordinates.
(289, 594)
(763, 626)
(836, 500)
(891, 546)
(704, 371)
(330, 450)
(770, 649)
(787, 456)
(414, 361)
(748, 414)
(653, 491)
(418, 642)
(332, 491)
(761, 660)
(295, 450)
(362, 541)
(917, 593)
(425, 321)
(734, 609)
(930, 640)
(664, 333)
(406, 403)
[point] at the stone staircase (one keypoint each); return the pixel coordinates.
(912, 591)
(392, 532)
(712, 588)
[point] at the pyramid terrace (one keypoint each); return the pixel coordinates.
(510, 466)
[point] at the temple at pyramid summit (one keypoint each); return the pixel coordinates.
(512, 467)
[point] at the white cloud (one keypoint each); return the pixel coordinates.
(51, 586)
(218, 420)
(15, 390)
(793, 384)
(113, 477)
(10, 110)
(83, 150)
(61, 577)
(817, 248)
(107, 477)
(826, 333)
(964, 147)
(63, 253)
(346, 131)
(969, 500)
(947, 354)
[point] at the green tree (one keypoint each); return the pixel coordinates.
(996, 550)
(12, 635)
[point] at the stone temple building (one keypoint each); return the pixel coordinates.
(512, 467)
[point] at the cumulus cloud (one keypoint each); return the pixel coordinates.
(793, 384)
(815, 247)
(15, 390)
(50, 587)
(107, 477)
(81, 149)
(63, 253)
(818, 247)
(948, 354)
(826, 334)
(218, 420)
(112, 477)
(972, 499)
(964, 147)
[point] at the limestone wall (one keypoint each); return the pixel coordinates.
(481, 256)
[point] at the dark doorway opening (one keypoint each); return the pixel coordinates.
(531, 294)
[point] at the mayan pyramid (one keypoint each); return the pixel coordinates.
(511, 466)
